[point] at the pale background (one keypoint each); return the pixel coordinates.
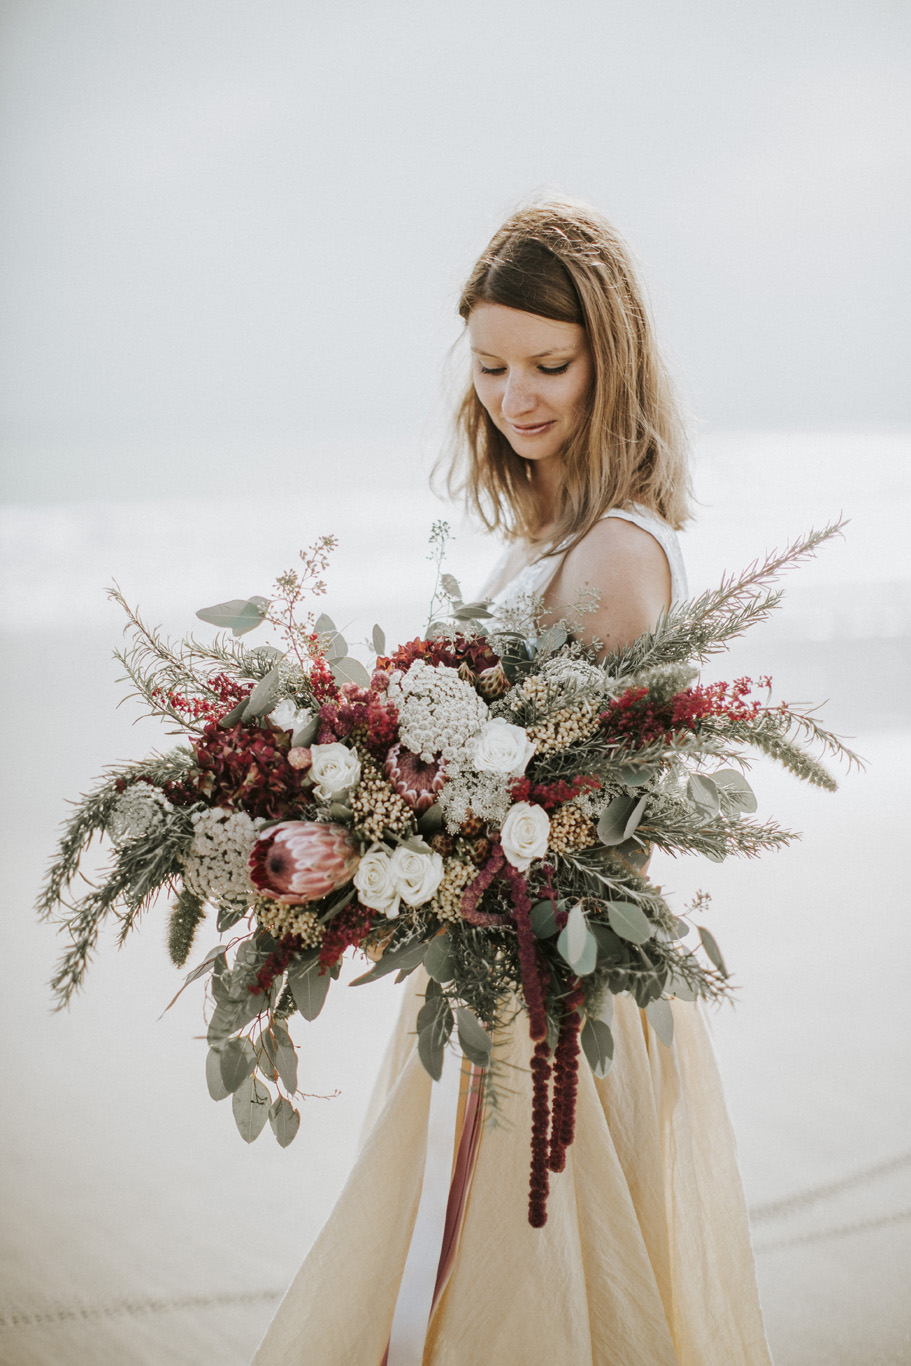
(233, 237)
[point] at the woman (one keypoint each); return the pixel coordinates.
(572, 446)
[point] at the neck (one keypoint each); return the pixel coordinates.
(546, 476)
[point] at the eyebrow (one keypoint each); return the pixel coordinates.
(540, 355)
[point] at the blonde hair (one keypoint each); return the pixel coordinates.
(564, 261)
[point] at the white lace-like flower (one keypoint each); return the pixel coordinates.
(375, 882)
(139, 811)
(438, 712)
(417, 875)
(335, 769)
(216, 866)
(485, 795)
(500, 747)
(524, 834)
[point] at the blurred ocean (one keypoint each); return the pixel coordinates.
(137, 1227)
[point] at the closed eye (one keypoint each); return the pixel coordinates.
(544, 369)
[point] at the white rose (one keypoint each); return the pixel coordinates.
(288, 717)
(417, 876)
(375, 883)
(524, 834)
(334, 769)
(500, 747)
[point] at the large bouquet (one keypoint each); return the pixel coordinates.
(482, 802)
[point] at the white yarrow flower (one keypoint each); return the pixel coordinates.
(216, 866)
(524, 834)
(335, 769)
(500, 747)
(438, 711)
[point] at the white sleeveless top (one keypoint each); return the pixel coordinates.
(534, 578)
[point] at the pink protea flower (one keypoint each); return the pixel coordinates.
(298, 861)
(415, 782)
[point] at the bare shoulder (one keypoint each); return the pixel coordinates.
(627, 568)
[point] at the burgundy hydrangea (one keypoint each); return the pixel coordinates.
(247, 767)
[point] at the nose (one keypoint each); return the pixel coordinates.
(518, 397)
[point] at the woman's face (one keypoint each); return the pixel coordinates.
(532, 375)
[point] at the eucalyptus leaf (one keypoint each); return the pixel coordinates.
(225, 1021)
(285, 1121)
(306, 731)
(325, 625)
(394, 960)
(214, 1080)
(606, 1015)
(234, 716)
(207, 965)
(264, 696)
(438, 960)
(681, 989)
(348, 670)
(451, 587)
(634, 852)
(309, 986)
(250, 1104)
(552, 638)
(280, 1050)
(610, 945)
(337, 648)
(703, 794)
(634, 775)
(228, 916)
(473, 611)
(431, 1052)
(735, 789)
(614, 822)
(577, 945)
(543, 919)
(474, 1039)
(661, 1020)
(629, 921)
(710, 944)
(239, 615)
(378, 639)
(598, 1046)
(237, 1061)
(431, 820)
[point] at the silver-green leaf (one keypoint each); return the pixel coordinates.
(214, 1079)
(710, 944)
(661, 1020)
(598, 1046)
(239, 615)
(474, 1039)
(238, 1059)
(309, 986)
(250, 1104)
(577, 945)
(629, 921)
(285, 1121)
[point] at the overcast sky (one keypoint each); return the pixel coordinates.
(235, 229)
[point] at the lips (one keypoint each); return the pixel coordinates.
(533, 430)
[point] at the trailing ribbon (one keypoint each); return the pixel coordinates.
(416, 1292)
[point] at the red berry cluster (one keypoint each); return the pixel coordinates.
(322, 683)
(633, 714)
(247, 767)
(345, 931)
(552, 795)
(364, 709)
(228, 694)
